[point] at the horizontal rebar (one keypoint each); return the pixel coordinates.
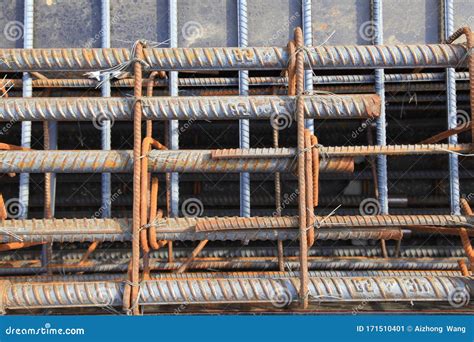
(221, 228)
(187, 108)
(277, 291)
(230, 58)
(159, 161)
(118, 255)
(322, 266)
(340, 151)
(234, 81)
(81, 230)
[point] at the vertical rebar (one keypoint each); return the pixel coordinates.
(173, 124)
(137, 142)
(301, 168)
(451, 105)
(106, 126)
(244, 125)
(377, 21)
(28, 23)
(308, 41)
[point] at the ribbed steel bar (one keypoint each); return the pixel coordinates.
(234, 81)
(27, 31)
(308, 41)
(20, 278)
(81, 230)
(301, 170)
(228, 58)
(233, 223)
(173, 125)
(244, 125)
(114, 255)
(282, 291)
(382, 182)
(320, 267)
(187, 108)
(448, 29)
(344, 151)
(105, 125)
(182, 161)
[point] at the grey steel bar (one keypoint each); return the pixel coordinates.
(227, 58)
(173, 124)
(28, 26)
(105, 125)
(277, 291)
(344, 151)
(308, 41)
(187, 108)
(381, 131)
(82, 230)
(244, 125)
(182, 161)
(327, 267)
(234, 81)
(448, 30)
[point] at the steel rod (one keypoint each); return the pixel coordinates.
(227, 58)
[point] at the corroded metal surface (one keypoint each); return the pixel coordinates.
(235, 290)
(337, 57)
(187, 108)
(184, 161)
